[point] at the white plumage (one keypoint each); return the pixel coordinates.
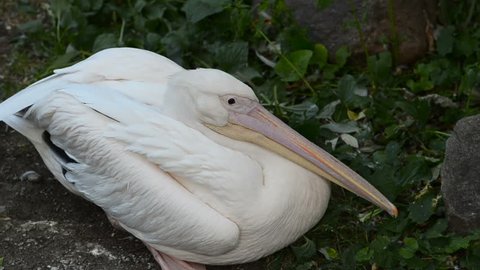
(132, 132)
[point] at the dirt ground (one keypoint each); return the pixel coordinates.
(43, 226)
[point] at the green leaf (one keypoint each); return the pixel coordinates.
(351, 94)
(379, 67)
(293, 65)
(409, 249)
(247, 74)
(341, 56)
(364, 255)
(1, 261)
(422, 209)
(58, 7)
(103, 41)
(457, 243)
(415, 171)
(329, 253)
(349, 140)
(308, 109)
(305, 251)
(197, 10)
(384, 180)
(320, 55)
(349, 127)
(466, 44)
(294, 38)
(438, 229)
(380, 244)
(63, 60)
(231, 57)
(445, 40)
(328, 110)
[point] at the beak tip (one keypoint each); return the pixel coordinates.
(393, 211)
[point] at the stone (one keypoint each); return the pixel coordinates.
(31, 176)
(461, 176)
(335, 25)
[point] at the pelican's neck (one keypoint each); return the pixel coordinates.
(284, 181)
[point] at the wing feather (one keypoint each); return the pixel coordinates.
(145, 200)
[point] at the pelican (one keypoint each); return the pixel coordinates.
(187, 161)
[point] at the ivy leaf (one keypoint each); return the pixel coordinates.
(445, 40)
(409, 249)
(349, 127)
(380, 244)
(364, 255)
(379, 67)
(293, 66)
(437, 229)
(349, 140)
(59, 6)
(308, 109)
(64, 60)
(415, 171)
(231, 57)
(197, 10)
(350, 93)
(103, 41)
(457, 243)
(421, 210)
(294, 38)
(329, 253)
(305, 251)
(328, 110)
(320, 55)
(341, 56)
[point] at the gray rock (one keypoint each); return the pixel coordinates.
(335, 25)
(31, 176)
(461, 176)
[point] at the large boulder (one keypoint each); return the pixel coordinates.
(335, 26)
(461, 176)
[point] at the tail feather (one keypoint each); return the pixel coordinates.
(28, 96)
(25, 127)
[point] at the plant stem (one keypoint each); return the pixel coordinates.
(358, 26)
(393, 31)
(309, 86)
(470, 13)
(122, 30)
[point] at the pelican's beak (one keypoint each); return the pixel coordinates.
(260, 127)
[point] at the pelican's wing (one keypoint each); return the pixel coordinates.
(133, 72)
(219, 176)
(145, 200)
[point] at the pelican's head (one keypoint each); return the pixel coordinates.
(229, 107)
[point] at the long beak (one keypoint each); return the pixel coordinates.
(261, 127)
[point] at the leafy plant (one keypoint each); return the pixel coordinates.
(391, 127)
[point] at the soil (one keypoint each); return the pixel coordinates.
(44, 226)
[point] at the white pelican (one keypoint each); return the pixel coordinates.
(188, 161)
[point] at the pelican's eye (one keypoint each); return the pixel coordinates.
(238, 104)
